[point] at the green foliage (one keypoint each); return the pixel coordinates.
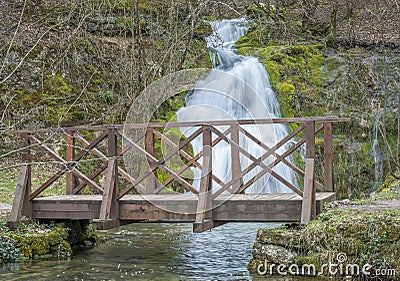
(8, 251)
(295, 74)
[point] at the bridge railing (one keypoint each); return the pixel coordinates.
(153, 143)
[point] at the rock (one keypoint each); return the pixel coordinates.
(273, 253)
(274, 236)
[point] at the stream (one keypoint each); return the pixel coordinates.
(152, 252)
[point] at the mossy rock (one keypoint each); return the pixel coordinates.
(371, 237)
(40, 245)
(273, 253)
(253, 264)
(277, 236)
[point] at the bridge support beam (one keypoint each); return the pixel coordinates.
(328, 158)
(22, 204)
(71, 180)
(109, 210)
(308, 210)
(204, 220)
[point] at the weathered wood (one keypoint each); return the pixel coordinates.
(46, 184)
(328, 158)
(26, 158)
(19, 198)
(69, 155)
(66, 166)
(109, 211)
(203, 208)
(159, 163)
(179, 207)
(91, 177)
(235, 158)
(23, 189)
(308, 210)
(310, 139)
(191, 161)
(99, 154)
(151, 180)
(88, 148)
(204, 204)
(256, 161)
(330, 119)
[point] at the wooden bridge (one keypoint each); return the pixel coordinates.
(88, 163)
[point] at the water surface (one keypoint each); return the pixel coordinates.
(153, 252)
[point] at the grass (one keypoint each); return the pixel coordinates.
(40, 173)
(8, 181)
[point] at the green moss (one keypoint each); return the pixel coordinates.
(202, 30)
(285, 88)
(40, 245)
(295, 74)
(365, 237)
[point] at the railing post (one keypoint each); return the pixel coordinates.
(109, 210)
(328, 158)
(151, 181)
(22, 204)
(309, 209)
(235, 158)
(70, 154)
(204, 206)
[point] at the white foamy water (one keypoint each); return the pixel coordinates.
(237, 88)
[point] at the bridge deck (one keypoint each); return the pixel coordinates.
(179, 208)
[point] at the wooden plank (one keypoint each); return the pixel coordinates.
(109, 206)
(309, 197)
(92, 177)
(310, 139)
(204, 204)
(330, 119)
(109, 192)
(66, 165)
(26, 158)
(235, 158)
(90, 182)
(256, 161)
(191, 160)
(328, 158)
(19, 198)
(99, 154)
(69, 155)
(281, 158)
(46, 184)
(88, 148)
(159, 163)
(179, 207)
(151, 180)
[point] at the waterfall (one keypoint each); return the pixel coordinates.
(238, 87)
(377, 154)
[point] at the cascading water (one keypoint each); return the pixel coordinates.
(377, 154)
(237, 88)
